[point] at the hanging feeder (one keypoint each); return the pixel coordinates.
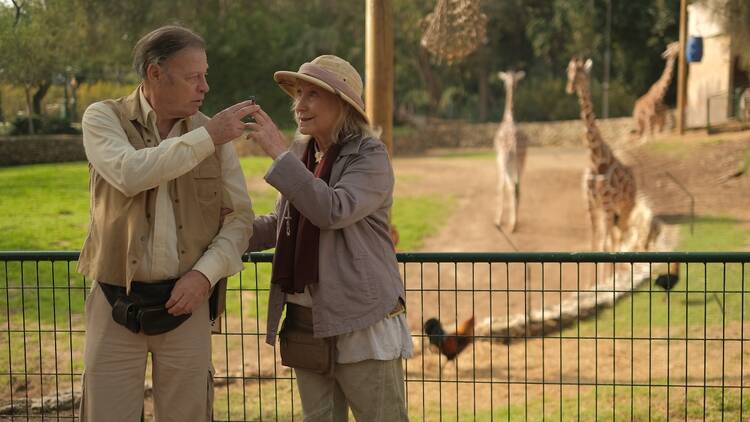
(454, 30)
(694, 51)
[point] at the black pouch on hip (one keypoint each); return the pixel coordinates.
(143, 309)
(156, 320)
(125, 312)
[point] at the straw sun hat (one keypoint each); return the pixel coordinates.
(331, 73)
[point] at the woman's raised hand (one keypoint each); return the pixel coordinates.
(265, 133)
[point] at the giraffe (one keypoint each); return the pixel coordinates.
(510, 147)
(609, 186)
(649, 110)
(745, 105)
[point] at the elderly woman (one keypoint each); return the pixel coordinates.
(335, 267)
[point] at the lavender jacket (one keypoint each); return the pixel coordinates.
(359, 282)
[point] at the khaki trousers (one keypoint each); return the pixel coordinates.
(374, 389)
(115, 366)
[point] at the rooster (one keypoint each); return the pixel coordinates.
(450, 345)
(669, 279)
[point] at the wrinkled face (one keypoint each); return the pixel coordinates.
(179, 84)
(316, 110)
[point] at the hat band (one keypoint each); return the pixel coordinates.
(331, 79)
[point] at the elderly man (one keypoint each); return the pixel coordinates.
(170, 219)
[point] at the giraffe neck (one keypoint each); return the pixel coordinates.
(659, 89)
(508, 114)
(599, 152)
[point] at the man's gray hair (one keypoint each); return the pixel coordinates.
(162, 43)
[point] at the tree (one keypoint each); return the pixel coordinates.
(20, 41)
(734, 16)
(248, 41)
(36, 41)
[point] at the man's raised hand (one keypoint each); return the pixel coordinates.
(227, 124)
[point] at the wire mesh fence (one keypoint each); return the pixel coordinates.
(557, 336)
(727, 109)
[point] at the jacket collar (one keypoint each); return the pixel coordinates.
(138, 108)
(133, 110)
(351, 146)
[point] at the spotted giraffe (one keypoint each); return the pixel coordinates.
(649, 110)
(745, 105)
(609, 186)
(510, 147)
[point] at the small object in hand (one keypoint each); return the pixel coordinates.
(250, 118)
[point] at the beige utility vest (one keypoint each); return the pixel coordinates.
(120, 225)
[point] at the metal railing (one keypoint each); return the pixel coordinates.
(557, 336)
(724, 109)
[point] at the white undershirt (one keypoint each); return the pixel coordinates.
(387, 339)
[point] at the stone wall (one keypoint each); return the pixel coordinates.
(457, 134)
(20, 150)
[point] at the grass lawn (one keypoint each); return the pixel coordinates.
(687, 309)
(594, 404)
(650, 307)
(45, 207)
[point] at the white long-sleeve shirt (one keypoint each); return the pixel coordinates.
(133, 171)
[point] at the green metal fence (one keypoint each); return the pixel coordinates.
(557, 336)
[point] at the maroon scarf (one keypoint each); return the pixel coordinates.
(295, 263)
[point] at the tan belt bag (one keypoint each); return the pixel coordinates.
(299, 349)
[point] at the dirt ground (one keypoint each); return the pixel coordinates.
(552, 214)
(552, 217)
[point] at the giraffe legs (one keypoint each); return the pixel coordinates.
(511, 190)
(649, 129)
(507, 189)
(660, 119)
(513, 185)
(501, 178)
(641, 128)
(597, 233)
(622, 225)
(612, 233)
(639, 115)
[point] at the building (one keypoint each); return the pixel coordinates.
(714, 84)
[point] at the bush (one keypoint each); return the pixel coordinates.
(545, 99)
(43, 125)
(20, 125)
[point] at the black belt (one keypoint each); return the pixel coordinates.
(143, 309)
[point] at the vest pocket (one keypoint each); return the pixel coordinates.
(207, 179)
